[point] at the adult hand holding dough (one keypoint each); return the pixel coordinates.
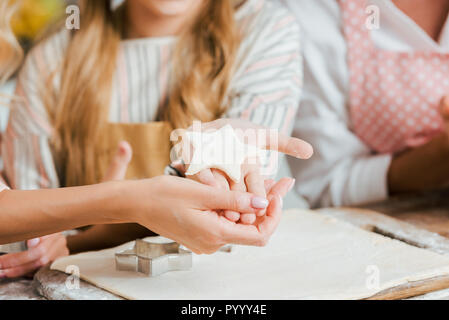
(186, 211)
(192, 219)
(252, 180)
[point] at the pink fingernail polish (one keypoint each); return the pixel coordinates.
(259, 203)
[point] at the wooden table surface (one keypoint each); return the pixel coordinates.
(426, 210)
(429, 211)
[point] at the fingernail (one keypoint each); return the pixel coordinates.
(282, 201)
(292, 185)
(33, 242)
(259, 203)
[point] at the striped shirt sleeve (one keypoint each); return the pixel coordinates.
(28, 160)
(268, 83)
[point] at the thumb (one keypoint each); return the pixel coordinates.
(119, 165)
(242, 202)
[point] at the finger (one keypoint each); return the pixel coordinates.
(53, 248)
(231, 200)
(205, 177)
(237, 233)
(245, 218)
(119, 165)
(220, 179)
(282, 187)
(271, 221)
(269, 183)
(256, 185)
(222, 183)
(19, 271)
(273, 140)
(16, 259)
(292, 146)
(240, 186)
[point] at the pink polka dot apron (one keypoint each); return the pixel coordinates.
(394, 96)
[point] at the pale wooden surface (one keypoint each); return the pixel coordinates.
(363, 218)
(429, 210)
(408, 233)
(52, 285)
(21, 289)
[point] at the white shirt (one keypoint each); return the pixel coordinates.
(343, 170)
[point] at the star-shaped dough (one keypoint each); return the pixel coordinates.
(222, 150)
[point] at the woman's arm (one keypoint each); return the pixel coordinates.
(174, 207)
(30, 214)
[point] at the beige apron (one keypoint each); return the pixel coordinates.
(150, 143)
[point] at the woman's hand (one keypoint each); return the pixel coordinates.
(187, 212)
(425, 167)
(252, 179)
(41, 251)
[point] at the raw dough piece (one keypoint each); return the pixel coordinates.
(309, 257)
(222, 150)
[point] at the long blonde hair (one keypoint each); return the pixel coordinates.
(204, 58)
(11, 53)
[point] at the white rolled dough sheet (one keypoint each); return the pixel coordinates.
(309, 257)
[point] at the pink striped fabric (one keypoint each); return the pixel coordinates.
(265, 89)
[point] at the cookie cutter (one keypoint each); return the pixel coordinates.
(154, 259)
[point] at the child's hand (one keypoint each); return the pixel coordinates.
(251, 181)
(119, 165)
(41, 251)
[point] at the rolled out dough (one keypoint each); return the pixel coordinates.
(309, 257)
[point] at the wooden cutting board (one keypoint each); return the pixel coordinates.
(393, 228)
(306, 246)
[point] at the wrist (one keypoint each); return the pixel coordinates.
(115, 201)
(131, 200)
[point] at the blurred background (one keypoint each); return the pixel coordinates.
(34, 16)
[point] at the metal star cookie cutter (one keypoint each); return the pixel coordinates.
(154, 259)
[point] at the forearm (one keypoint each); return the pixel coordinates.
(29, 214)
